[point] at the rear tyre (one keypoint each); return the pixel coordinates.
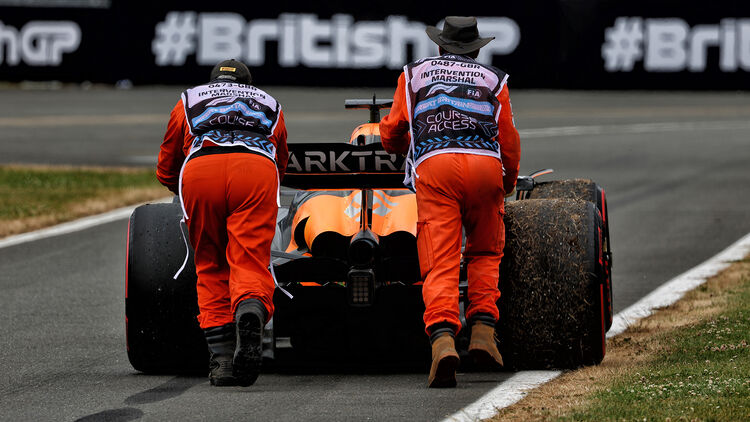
(552, 306)
(585, 190)
(163, 335)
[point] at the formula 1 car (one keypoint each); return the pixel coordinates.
(345, 260)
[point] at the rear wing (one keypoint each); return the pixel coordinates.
(343, 166)
(373, 105)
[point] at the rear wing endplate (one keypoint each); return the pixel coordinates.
(343, 166)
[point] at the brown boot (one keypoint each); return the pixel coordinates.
(444, 363)
(483, 346)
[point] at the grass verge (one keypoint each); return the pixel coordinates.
(687, 362)
(32, 197)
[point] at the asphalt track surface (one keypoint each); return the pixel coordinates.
(674, 165)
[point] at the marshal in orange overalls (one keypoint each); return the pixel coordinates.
(455, 189)
(225, 153)
(451, 115)
(231, 202)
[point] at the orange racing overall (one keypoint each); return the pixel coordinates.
(453, 119)
(225, 153)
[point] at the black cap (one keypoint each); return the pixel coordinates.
(231, 71)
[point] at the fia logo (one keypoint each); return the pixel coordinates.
(471, 92)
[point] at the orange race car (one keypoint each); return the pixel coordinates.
(345, 260)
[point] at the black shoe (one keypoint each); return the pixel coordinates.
(220, 372)
(221, 344)
(250, 318)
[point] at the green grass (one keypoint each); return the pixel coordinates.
(37, 191)
(701, 373)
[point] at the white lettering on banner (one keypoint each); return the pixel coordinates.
(744, 44)
(702, 37)
(666, 39)
(303, 39)
(38, 43)
(313, 53)
(338, 162)
(261, 31)
(362, 157)
(334, 162)
(174, 39)
(671, 45)
(315, 158)
(382, 159)
(218, 32)
(369, 36)
(293, 164)
(405, 33)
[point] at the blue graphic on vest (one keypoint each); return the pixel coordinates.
(469, 106)
(420, 127)
(239, 107)
(265, 145)
(429, 145)
(489, 128)
(463, 142)
(250, 140)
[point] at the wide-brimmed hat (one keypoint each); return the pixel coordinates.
(459, 35)
(231, 71)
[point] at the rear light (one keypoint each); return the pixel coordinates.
(361, 287)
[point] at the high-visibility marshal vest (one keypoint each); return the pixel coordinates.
(453, 108)
(231, 114)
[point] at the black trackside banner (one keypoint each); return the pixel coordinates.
(343, 166)
(597, 44)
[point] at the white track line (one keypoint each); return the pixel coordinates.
(73, 226)
(673, 290)
(515, 388)
(505, 394)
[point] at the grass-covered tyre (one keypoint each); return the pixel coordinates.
(162, 331)
(552, 304)
(586, 190)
